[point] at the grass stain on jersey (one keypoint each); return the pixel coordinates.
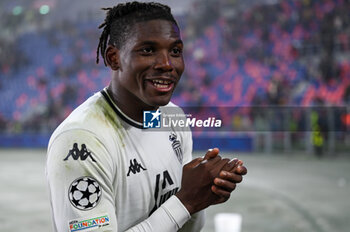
(110, 119)
(68, 167)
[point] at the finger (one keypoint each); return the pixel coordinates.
(224, 184)
(230, 165)
(194, 162)
(215, 165)
(212, 162)
(240, 163)
(220, 192)
(220, 164)
(211, 153)
(220, 200)
(241, 170)
(235, 165)
(232, 177)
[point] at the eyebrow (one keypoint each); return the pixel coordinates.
(179, 41)
(150, 42)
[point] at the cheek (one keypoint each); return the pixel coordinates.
(136, 74)
(139, 64)
(179, 66)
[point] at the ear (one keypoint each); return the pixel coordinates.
(112, 57)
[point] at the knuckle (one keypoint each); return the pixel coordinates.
(231, 176)
(234, 187)
(227, 196)
(213, 160)
(226, 162)
(239, 179)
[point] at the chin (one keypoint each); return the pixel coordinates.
(160, 101)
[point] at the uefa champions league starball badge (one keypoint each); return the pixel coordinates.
(84, 193)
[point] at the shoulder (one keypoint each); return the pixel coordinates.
(173, 112)
(171, 104)
(85, 135)
(94, 118)
(172, 109)
(79, 117)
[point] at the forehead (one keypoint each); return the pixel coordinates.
(156, 30)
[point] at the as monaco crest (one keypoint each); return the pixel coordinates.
(176, 146)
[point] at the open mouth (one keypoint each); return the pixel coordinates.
(162, 85)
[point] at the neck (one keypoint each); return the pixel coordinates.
(128, 104)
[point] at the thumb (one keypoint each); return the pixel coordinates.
(194, 163)
(211, 153)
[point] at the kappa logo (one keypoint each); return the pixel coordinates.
(83, 154)
(135, 167)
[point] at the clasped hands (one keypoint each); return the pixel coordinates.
(209, 180)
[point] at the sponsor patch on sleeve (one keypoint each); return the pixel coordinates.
(90, 224)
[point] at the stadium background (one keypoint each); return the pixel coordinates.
(255, 56)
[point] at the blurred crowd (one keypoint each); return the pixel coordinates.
(291, 53)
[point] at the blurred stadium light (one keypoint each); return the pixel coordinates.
(228, 222)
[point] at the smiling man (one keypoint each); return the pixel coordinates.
(108, 173)
(146, 68)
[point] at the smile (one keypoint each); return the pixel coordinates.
(162, 85)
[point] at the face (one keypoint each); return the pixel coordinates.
(150, 64)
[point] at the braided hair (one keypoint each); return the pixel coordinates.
(121, 18)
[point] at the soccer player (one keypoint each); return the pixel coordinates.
(105, 171)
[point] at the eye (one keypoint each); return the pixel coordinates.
(176, 51)
(147, 50)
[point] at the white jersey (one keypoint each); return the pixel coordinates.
(106, 173)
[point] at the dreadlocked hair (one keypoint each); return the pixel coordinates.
(121, 18)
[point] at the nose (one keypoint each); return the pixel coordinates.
(163, 62)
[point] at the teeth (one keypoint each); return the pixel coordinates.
(160, 86)
(161, 82)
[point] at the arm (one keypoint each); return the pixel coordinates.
(196, 222)
(67, 162)
(72, 156)
(169, 217)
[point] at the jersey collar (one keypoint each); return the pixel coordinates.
(119, 112)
